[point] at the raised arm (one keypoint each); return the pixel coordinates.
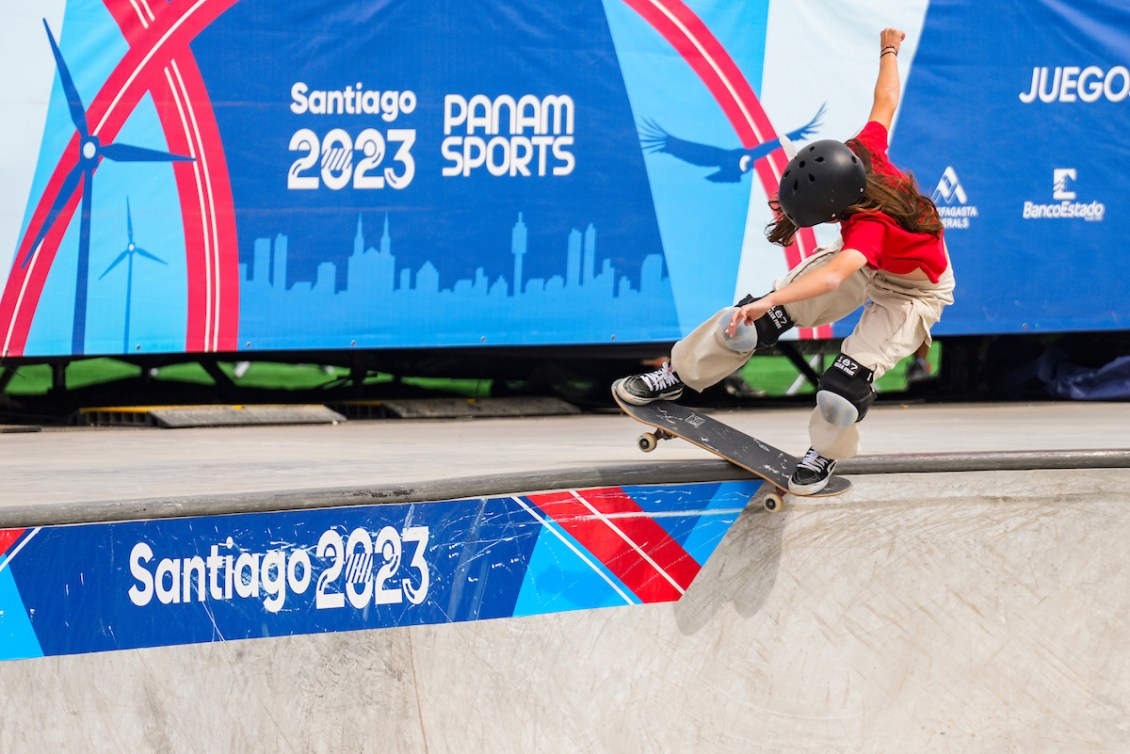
(887, 87)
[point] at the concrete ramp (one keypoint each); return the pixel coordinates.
(933, 612)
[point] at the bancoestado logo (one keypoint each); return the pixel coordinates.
(953, 204)
(1072, 83)
(1065, 205)
(362, 569)
(505, 136)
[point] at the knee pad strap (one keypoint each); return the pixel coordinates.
(771, 325)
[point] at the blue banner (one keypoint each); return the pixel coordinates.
(98, 587)
(243, 175)
(1015, 121)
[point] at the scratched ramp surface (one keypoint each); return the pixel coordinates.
(965, 612)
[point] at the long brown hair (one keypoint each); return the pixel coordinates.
(898, 198)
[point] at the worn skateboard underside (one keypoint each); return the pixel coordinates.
(769, 463)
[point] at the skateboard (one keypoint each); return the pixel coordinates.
(773, 465)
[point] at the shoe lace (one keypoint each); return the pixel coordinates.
(661, 378)
(814, 461)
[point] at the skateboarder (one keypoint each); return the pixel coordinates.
(891, 256)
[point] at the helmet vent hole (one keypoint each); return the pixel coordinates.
(811, 178)
(801, 165)
(820, 159)
(796, 185)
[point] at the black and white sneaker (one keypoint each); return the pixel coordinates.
(640, 389)
(812, 474)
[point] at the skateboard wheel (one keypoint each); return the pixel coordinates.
(772, 502)
(647, 442)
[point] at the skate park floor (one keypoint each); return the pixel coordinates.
(969, 594)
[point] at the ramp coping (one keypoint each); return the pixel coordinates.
(655, 472)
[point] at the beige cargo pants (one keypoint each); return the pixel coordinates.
(897, 317)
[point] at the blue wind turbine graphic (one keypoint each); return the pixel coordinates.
(91, 153)
(127, 256)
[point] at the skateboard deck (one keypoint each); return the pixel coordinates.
(771, 464)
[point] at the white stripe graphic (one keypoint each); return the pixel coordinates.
(20, 298)
(145, 60)
(143, 11)
(631, 543)
(204, 193)
(191, 127)
(713, 65)
(211, 231)
(628, 599)
(12, 555)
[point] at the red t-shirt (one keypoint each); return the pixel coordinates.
(886, 244)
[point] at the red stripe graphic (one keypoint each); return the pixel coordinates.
(208, 209)
(8, 538)
(140, 70)
(621, 535)
(720, 74)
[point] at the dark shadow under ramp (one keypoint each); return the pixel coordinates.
(977, 611)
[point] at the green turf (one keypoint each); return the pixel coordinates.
(773, 374)
(778, 377)
(35, 379)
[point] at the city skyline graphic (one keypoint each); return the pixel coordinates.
(382, 304)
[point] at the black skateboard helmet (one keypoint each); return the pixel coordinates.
(823, 180)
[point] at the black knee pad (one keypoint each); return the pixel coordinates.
(844, 393)
(771, 325)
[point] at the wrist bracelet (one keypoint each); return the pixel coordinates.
(889, 52)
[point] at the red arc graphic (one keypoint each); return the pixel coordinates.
(702, 51)
(159, 62)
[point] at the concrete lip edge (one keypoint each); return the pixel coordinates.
(679, 472)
